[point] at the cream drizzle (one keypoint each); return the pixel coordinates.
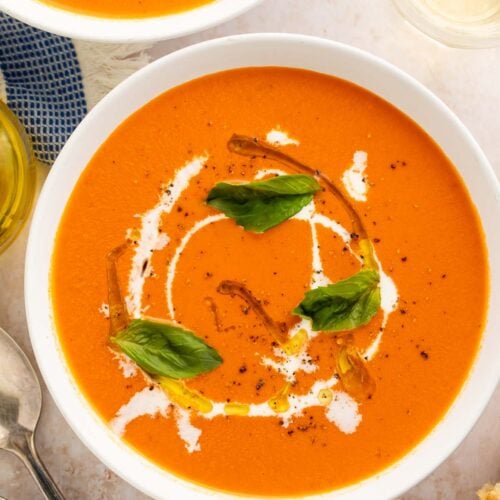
(172, 267)
(298, 403)
(150, 236)
(127, 366)
(278, 137)
(388, 302)
(267, 172)
(104, 310)
(342, 410)
(146, 402)
(290, 364)
(354, 178)
(186, 430)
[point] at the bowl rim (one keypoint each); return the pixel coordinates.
(416, 464)
(125, 30)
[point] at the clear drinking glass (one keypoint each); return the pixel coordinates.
(459, 23)
(17, 177)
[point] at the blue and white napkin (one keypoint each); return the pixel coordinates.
(50, 82)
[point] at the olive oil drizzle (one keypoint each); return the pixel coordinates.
(353, 373)
(228, 287)
(118, 313)
(212, 306)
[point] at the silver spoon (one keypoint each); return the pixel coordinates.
(20, 406)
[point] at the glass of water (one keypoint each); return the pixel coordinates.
(459, 23)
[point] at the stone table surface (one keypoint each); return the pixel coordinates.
(468, 81)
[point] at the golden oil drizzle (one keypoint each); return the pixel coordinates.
(230, 287)
(239, 409)
(353, 373)
(118, 314)
(212, 306)
(296, 344)
(184, 396)
(325, 397)
(279, 402)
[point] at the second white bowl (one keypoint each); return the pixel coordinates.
(101, 29)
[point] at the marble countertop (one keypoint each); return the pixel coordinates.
(468, 81)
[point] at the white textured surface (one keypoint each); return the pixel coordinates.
(468, 81)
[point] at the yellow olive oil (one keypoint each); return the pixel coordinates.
(17, 177)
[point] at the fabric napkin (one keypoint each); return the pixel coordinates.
(50, 82)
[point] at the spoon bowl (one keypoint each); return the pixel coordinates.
(20, 407)
(20, 393)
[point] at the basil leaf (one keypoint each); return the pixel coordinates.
(261, 205)
(344, 305)
(167, 350)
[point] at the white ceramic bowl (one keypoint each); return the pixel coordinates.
(100, 29)
(217, 55)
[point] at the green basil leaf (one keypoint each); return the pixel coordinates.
(261, 205)
(167, 350)
(344, 305)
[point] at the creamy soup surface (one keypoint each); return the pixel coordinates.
(267, 420)
(127, 8)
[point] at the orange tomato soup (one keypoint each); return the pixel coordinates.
(417, 212)
(127, 8)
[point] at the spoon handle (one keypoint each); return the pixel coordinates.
(25, 449)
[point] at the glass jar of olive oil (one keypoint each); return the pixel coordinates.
(17, 177)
